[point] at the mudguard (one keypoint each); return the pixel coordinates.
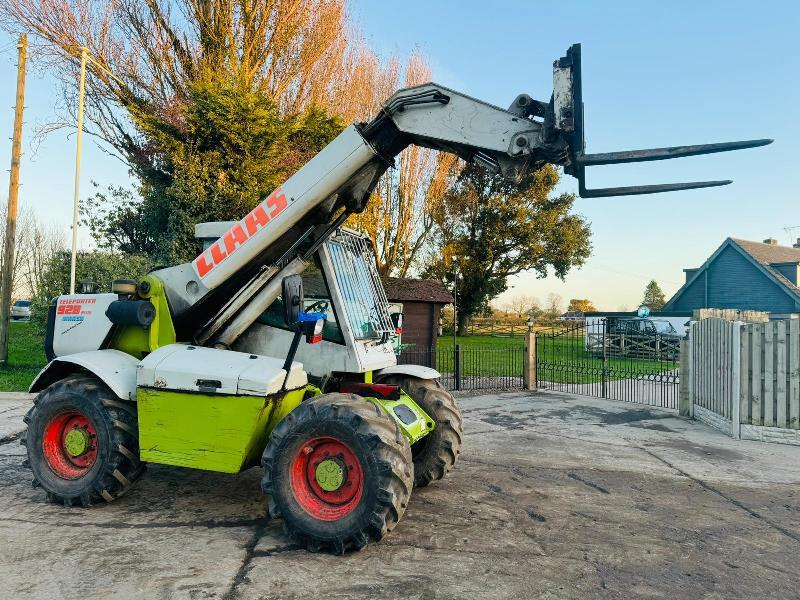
(412, 370)
(114, 368)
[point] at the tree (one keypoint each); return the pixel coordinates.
(398, 218)
(212, 103)
(522, 305)
(497, 229)
(653, 296)
(554, 309)
(35, 244)
(581, 305)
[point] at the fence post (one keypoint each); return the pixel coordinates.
(529, 376)
(605, 363)
(736, 388)
(457, 367)
(683, 375)
(691, 359)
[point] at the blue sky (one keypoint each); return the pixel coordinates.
(655, 74)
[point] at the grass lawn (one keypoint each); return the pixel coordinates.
(25, 358)
(481, 341)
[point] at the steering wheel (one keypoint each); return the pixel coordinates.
(318, 306)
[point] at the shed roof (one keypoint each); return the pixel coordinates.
(399, 289)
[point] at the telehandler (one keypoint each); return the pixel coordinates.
(201, 364)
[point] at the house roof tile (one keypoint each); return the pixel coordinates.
(767, 254)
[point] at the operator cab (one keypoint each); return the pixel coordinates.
(360, 330)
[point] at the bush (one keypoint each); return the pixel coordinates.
(100, 267)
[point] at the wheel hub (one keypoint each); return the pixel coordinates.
(329, 475)
(69, 444)
(327, 478)
(77, 441)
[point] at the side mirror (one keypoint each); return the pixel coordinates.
(397, 322)
(292, 295)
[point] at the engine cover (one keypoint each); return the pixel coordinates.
(79, 323)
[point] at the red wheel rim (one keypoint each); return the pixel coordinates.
(316, 497)
(69, 444)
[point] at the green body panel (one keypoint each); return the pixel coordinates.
(137, 341)
(414, 431)
(214, 432)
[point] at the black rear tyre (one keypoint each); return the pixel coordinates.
(82, 442)
(437, 453)
(338, 471)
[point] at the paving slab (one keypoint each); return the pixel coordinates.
(556, 496)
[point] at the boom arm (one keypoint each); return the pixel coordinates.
(235, 270)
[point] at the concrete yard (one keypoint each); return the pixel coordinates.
(555, 496)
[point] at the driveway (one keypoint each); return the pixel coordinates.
(556, 496)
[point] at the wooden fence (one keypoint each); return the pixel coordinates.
(746, 377)
(770, 374)
(712, 375)
(497, 328)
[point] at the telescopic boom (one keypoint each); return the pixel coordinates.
(338, 181)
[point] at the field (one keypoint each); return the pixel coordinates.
(25, 357)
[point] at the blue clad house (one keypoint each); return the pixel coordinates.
(744, 275)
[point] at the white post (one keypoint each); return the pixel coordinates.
(736, 386)
(691, 368)
(81, 90)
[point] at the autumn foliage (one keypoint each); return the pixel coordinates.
(212, 103)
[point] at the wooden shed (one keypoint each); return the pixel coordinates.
(422, 301)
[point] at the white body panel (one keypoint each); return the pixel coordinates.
(413, 370)
(116, 369)
(190, 368)
(81, 323)
(464, 120)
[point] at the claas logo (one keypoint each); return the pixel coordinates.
(256, 220)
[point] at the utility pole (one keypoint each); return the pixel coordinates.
(79, 142)
(13, 197)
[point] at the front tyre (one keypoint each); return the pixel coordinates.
(338, 471)
(82, 442)
(437, 453)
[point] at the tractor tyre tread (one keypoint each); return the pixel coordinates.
(436, 454)
(119, 466)
(373, 432)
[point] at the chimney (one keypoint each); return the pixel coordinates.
(796, 244)
(771, 241)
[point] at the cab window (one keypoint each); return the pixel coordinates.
(317, 299)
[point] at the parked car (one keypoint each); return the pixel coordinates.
(21, 310)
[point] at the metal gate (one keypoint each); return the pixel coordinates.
(471, 367)
(621, 359)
